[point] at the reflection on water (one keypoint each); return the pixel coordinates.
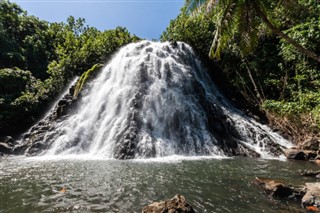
(210, 185)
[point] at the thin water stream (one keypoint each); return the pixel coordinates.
(83, 185)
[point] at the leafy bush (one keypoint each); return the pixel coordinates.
(274, 78)
(53, 54)
(194, 30)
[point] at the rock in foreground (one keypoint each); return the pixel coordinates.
(280, 190)
(312, 196)
(308, 195)
(177, 204)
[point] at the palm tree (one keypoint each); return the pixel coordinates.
(242, 19)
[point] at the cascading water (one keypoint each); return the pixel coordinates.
(151, 100)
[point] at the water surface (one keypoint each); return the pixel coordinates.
(79, 185)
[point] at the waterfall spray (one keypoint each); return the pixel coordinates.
(154, 100)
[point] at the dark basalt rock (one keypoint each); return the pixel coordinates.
(177, 204)
(34, 141)
(5, 148)
(278, 189)
(299, 154)
(310, 173)
(6, 145)
(308, 195)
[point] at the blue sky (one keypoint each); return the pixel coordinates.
(145, 18)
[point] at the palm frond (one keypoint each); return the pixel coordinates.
(194, 4)
(247, 27)
(225, 19)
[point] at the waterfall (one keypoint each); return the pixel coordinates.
(152, 100)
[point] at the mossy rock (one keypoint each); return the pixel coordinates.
(85, 77)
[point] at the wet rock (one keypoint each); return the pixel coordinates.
(312, 196)
(6, 145)
(7, 139)
(280, 190)
(177, 204)
(5, 148)
(173, 43)
(310, 173)
(35, 148)
(299, 154)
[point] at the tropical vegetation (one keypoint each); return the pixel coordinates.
(269, 56)
(38, 59)
(264, 56)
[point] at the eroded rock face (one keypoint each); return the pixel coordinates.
(177, 204)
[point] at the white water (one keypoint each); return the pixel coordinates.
(152, 100)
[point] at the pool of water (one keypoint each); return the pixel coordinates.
(95, 185)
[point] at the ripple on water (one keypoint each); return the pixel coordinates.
(211, 185)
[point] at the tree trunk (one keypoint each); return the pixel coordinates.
(258, 95)
(299, 47)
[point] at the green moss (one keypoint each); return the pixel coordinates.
(85, 77)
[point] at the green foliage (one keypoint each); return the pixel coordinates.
(194, 30)
(273, 77)
(53, 54)
(78, 54)
(19, 97)
(85, 77)
(13, 82)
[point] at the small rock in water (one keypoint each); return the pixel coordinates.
(177, 204)
(309, 195)
(310, 173)
(280, 190)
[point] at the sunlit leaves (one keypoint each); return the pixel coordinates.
(53, 54)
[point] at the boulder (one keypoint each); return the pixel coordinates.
(177, 204)
(310, 173)
(279, 190)
(299, 154)
(312, 196)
